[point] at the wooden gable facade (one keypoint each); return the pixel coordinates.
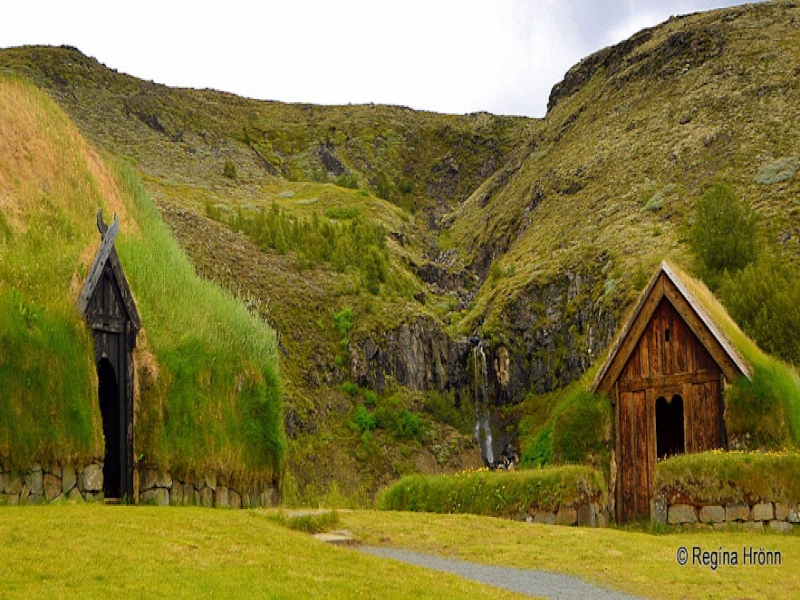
(665, 375)
(106, 303)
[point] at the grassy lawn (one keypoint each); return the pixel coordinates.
(97, 551)
(634, 562)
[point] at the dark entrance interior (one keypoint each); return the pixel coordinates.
(669, 427)
(112, 429)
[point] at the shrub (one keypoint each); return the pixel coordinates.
(364, 420)
(229, 170)
(342, 213)
(444, 409)
(496, 493)
(724, 232)
(357, 245)
(347, 180)
(348, 387)
(581, 430)
(779, 171)
(764, 299)
(344, 321)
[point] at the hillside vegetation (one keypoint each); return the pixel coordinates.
(208, 394)
(495, 257)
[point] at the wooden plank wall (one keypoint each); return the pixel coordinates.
(663, 365)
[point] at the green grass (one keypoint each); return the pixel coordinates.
(50, 192)
(498, 494)
(213, 397)
(98, 551)
(723, 477)
(634, 562)
(217, 403)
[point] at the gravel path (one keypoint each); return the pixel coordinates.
(523, 581)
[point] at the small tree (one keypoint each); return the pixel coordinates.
(724, 232)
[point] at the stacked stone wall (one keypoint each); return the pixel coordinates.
(50, 482)
(54, 482)
(783, 517)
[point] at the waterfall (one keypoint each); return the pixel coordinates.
(483, 427)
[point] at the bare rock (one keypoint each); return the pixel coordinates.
(547, 518)
(587, 516)
(658, 510)
(68, 478)
(712, 514)
(92, 478)
(34, 480)
(763, 512)
(737, 512)
(222, 497)
(52, 487)
(681, 513)
(13, 483)
(157, 496)
(781, 526)
(566, 516)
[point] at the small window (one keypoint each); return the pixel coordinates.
(666, 334)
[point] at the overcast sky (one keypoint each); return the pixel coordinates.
(454, 56)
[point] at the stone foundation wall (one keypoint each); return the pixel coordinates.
(585, 515)
(52, 482)
(49, 482)
(778, 516)
(207, 490)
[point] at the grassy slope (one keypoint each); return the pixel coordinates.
(212, 364)
(706, 97)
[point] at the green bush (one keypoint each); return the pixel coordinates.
(764, 300)
(347, 180)
(496, 493)
(582, 425)
(443, 408)
(724, 232)
(398, 421)
(364, 420)
(344, 321)
(229, 170)
(357, 245)
(348, 387)
(721, 477)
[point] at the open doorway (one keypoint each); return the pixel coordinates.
(110, 410)
(669, 427)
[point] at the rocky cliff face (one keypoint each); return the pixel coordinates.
(553, 333)
(419, 355)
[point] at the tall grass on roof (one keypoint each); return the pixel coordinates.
(217, 402)
(48, 188)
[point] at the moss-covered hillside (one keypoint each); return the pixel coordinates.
(500, 254)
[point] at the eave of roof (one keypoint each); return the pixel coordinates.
(694, 303)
